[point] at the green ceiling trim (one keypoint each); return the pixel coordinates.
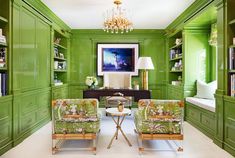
(46, 12)
(155, 33)
(192, 11)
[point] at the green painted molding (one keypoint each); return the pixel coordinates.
(46, 12)
(134, 31)
(160, 32)
(187, 15)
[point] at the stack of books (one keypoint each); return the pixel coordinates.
(231, 58)
(232, 85)
(3, 85)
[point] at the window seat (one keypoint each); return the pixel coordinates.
(207, 104)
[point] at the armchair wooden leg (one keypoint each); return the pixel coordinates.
(94, 146)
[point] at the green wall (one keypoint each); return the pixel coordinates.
(83, 57)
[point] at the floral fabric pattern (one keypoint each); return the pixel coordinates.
(75, 116)
(159, 116)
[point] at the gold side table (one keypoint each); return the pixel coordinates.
(120, 118)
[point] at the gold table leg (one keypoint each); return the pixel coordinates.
(118, 127)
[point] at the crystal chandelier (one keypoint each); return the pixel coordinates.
(116, 20)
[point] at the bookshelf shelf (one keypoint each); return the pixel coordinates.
(3, 69)
(59, 46)
(178, 58)
(61, 59)
(232, 22)
(60, 70)
(175, 71)
(3, 44)
(2, 19)
(176, 46)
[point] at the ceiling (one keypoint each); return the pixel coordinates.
(145, 14)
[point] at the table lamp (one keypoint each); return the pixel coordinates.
(145, 63)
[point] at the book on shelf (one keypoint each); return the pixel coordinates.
(3, 39)
(232, 83)
(3, 85)
(231, 58)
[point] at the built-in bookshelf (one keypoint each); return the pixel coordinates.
(60, 59)
(4, 25)
(231, 58)
(175, 61)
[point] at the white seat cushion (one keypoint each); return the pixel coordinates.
(203, 103)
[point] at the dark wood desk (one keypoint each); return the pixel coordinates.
(97, 93)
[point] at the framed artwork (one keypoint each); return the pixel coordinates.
(117, 58)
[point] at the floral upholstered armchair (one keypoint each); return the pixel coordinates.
(159, 120)
(74, 119)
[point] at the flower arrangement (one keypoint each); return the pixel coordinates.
(91, 81)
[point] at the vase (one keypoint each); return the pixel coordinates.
(91, 87)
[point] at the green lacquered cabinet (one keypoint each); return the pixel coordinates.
(174, 92)
(5, 123)
(31, 53)
(31, 111)
(31, 71)
(229, 124)
(201, 118)
(60, 92)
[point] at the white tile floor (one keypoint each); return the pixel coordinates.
(196, 145)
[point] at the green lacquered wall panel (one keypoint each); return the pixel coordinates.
(43, 54)
(31, 50)
(196, 43)
(174, 92)
(76, 91)
(83, 55)
(16, 69)
(27, 52)
(60, 92)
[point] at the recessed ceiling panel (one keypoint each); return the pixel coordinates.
(147, 14)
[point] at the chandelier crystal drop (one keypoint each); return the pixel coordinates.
(117, 20)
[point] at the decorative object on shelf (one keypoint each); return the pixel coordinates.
(178, 41)
(117, 20)
(3, 57)
(136, 85)
(60, 65)
(175, 53)
(57, 40)
(120, 106)
(61, 55)
(117, 58)
(177, 66)
(2, 38)
(233, 40)
(91, 82)
(56, 52)
(213, 35)
(145, 63)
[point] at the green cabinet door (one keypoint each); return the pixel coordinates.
(28, 55)
(43, 54)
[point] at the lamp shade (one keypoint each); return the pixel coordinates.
(145, 63)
